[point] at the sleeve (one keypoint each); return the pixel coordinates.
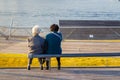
(28, 41)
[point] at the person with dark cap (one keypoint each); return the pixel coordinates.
(53, 43)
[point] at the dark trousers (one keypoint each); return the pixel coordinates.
(41, 60)
(58, 61)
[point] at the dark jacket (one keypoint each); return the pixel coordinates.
(53, 43)
(36, 44)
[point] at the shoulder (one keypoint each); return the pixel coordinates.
(60, 33)
(41, 38)
(49, 34)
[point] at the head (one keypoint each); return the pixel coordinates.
(54, 28)
(35, 30)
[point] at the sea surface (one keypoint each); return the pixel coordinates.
(27, 13)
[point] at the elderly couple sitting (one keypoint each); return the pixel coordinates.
(50, 45)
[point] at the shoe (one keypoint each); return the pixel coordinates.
(28, 67)
(58, 68)
(47, 65)
(47, 68)
(41, 67)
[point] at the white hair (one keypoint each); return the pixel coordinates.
(36, 30)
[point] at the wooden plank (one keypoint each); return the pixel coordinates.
(76, 55)
(86, 23)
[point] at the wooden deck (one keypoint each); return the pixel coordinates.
(81, 46)
(63, 74)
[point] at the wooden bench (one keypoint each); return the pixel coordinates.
(75, 55)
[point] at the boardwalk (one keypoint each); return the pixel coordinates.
(63, 74)
(20, 46)
(17, 46)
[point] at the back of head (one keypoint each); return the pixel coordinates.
(35, 30)
(54, 28)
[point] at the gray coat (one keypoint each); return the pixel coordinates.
(36, 44)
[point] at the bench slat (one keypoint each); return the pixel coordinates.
(76, 55)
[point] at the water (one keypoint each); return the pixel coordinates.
(26, 13)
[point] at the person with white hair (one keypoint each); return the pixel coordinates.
(36, 46)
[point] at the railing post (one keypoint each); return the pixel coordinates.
(10, 27)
